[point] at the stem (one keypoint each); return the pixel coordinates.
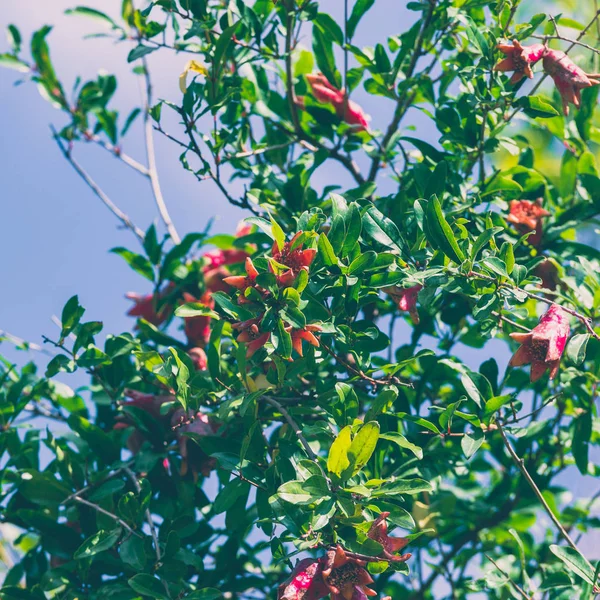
(405, 99)
(127, 222)
(521, 465)
(104, 512)
(150, 153)
(517, 587)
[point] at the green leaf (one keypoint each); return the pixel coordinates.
(483, 239)
(401, 441)
(139, 52)
(362, 446)
(338, 461)
(438, 232)
(384, 231)
(494, 404)
(470, 443)
(284, 339)
(71, 315)
(362, 262)
(278, 234)
(205, 594)
(329, 27)
(99, 542)
(195, 309)
(12, 62)
(576, 348)
(536, 107)
(358, 11)
(403, 486)
(99, 442)
(575, 562)
(42, 488)
(140, 264)
(326, 251)
(148, 585)
(323, 52)
(311, 490)
(92, 13)
(132, 552)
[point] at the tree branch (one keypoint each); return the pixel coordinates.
(96, 189)
(150, 153)
(536, 490)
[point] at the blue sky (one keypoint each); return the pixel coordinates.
(56, 234)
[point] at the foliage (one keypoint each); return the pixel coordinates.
(267, 407)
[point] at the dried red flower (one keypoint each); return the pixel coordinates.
(406, 299)
(305, 582)
(568, 78)
(197, 329)
(548, 273)
(192, 456)
(347, 110)
(345, 576)
(519, 59)
(527, 216)
(379, 533)
(543, 346)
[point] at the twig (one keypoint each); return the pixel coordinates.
(517, 587)
(536, 490)
(537, 410)
(21, 342)
(96, 189)
(403, 101)
(565, 39)
(510, 322)
(116, 152)
(151, 155)
(376, 382)
(104, 512)
(587, 322)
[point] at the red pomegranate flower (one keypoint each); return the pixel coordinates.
(527, 216)
(251, 335)
(197, 329)
(346, 577)
(379, 533)
(146, 306)
(305, 334)
(305, 582)
(292, 255)
(199, 359)
(347, 110)
(544, 344)
(519, 59)
(406, 299)
(242, 282)
(568, 78)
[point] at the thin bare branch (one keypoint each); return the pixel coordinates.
(536, 490)
(105, 512)
(517, 587)
(117, 153)
(151, 156)
(124, 218)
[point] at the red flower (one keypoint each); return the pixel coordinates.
(199, 359)
(193, 456)
(251, 335)
(519, 59)
(346, 109)
(378, 532)
(197, 329)
(346, 577)
(568, 78)
(527, 216)
(544, 344)
(242, 282)
(406, 299)
(305, 582)
(146, 306)
(305, 334)
(293, 256)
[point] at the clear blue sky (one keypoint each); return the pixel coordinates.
(56, 234)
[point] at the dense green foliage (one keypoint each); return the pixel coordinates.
(275, 396)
